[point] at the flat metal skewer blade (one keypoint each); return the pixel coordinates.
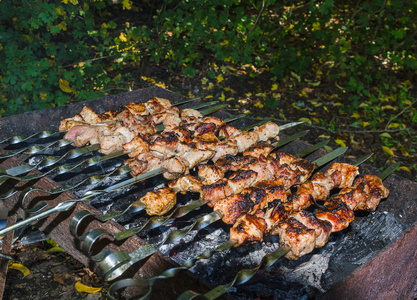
(388, 171)
(330, 156)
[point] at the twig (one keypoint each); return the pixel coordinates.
(399, 114)
(257, 18)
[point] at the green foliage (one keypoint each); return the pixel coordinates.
(54, 52)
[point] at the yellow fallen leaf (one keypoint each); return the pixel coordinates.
(248, 94)
(340, 142)
(387, 150)
(356, 115)
(364, 124)
(222, 97)
(388, 107)
(337, 104)
(404, 152)
(305, 120)
(20, 268)
(323, 136)
(405, 169)
(56, 249)
(64, 86)
(86, 289)
(219, 78)
(316, 120)
(274, 87)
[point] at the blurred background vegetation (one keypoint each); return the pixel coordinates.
(345, 67)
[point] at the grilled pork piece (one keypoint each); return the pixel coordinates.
(323, 228)
(144, 162)
(224, 149)
(366, 194)
(260, 148)
(186, 183)
(157, 105)
(209, 174)
(184, 161)
(227, 132)
(275, 212)
(136, 146)
(230, 208)
(342, 174)
(247, 229)
(160, 202)
(137, 109)
(68, 123)
(293, 234)
(337, 213)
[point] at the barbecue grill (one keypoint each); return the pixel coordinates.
(374, 256)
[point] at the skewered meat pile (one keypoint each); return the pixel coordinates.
(113, 129)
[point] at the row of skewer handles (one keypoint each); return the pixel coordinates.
(249, 185)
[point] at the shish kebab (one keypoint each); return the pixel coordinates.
(90, 238)
(108, 146)
(115, 264)
(64, 206)
(46, 134)
(93, 161)
(89, 114)
(294, 232)
(153, 206)
(73, 153)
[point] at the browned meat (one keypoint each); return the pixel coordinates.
(267, 131)
(189, 112)
(160, 202)
(247, 229)
(283, 158)
(213, 120)
(286, 177)
(227, 132)
(203, 128)
(230, 208)
(197, 156)
(136, 146)
(372, 185)
(223, 149)
(137, 109)
(165, 143)
(68, 123)
(304, 168)
(216, 191)
(273, 191)
(157, 105)
(183, 135)
(234, 163)
(144, 162)
(81, 135)
(186, 183)
(265, 168)
(275, 212)
(205, 141)
(258, 149)
(342, 174)
(245, 139)
(337, 213)
(176, 165)
(160, 118)
(171, 122)
(323, 228)
(126, 118)
(300, 239)
(89, 116)
(241, 179)
(209, 174)
(366, 193)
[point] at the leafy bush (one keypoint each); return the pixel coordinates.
(55, 52)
